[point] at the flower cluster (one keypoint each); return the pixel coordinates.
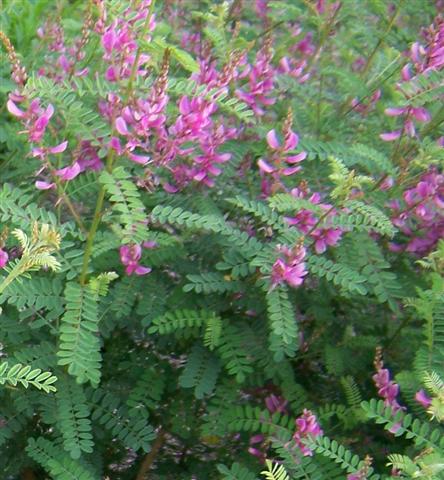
(308, 222)
(295, 64)
(409, 114)
(280, 162)
(387, 389)
(257, 93)
(429, 57)
(258, 445)
(119, 41)
(291, 269)
(421, 218)
(140, 119)
(62, 60)
(422, 60)
(18, 74)
(35, 120)
(306, 427)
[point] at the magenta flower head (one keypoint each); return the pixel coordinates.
(387, 389)
(4, 257)
(35, 119)
(306, 426)
(130, 256)
(291, 269)
(422, 398)
(280, 164)
(276, 403)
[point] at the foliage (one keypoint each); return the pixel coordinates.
(221, 250)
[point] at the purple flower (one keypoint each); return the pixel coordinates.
(275, 166)
(421, 219)
(42, 152)
(387, 389)
(390, 136)
(261, 82)
(88, 158)
(422, 398)
(43, 185)
(35, 118)
(4, 257)
(276, 403)
(292, 269)
(68, 173)
(306, 426)
(130, 256)
(325, 237)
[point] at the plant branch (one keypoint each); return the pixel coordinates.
(110, 160)
(151, 456)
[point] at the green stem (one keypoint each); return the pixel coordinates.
(321, 218)
(318, 107)
(92, 234)
(13, 274)
(381, 40)
(324, 35)
(139, 49)
(371, 57)
(67, 201)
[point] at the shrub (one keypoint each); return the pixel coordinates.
(213, 215)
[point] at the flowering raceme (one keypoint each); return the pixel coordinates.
(257, 94)
(309, 223)
(291, 269)
(280, 164)
(423, 60)
(409, 114)
(387, 389)
(421, 220)
(306, 427)
(35, 118)
(119, 41)
(4, 257)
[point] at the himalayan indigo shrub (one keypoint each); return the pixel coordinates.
(221, 230)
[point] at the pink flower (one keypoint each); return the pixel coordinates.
(276, 404)
(421, 220)
(35, 118)
(42, 185)
(325, 237)
(14, 110)
(261, 82)
(387, 389)
(4, 257)
(291, 269)
(130, 256)
(422, 398)
(68, 173)
(306, 427)
(390, 136)
(275, 167)
(42, 152)
(88, 158)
